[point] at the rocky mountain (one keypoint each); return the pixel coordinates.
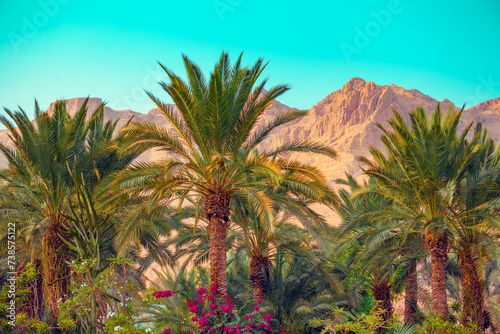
(345, 119)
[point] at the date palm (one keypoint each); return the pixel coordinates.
(379, 244)
(261, 241)
(297, 292)
(211, 140)
(39, 181)
(425, 160)
(478, 226)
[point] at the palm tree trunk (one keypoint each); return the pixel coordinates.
(382, 294)
(217, 255)
(55, 268)
(473, 309)
(256, 264)
(217, 210)
(411, 292)
(437, 246)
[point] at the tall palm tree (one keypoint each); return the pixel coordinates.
(212, 140)
(425, 160)
(39, 181)
(478, 226)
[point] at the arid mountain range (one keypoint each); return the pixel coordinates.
(345, 120)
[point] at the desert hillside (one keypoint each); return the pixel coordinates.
(345, 119)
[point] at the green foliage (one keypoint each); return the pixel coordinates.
(110, 294)
(29, 275)
(39, 327)
(365, 324)
(22, 292)
(67, 323)
(435, 325)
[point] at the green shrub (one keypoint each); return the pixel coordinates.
(435, 325)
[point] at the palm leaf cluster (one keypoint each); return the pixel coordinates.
(212, 138)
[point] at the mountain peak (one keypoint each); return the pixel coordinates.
(354, 80)
(74, 104)
(493, 104)
(354, 84)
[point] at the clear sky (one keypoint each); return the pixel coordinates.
(54, 49)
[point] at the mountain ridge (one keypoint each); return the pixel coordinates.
(345, 119)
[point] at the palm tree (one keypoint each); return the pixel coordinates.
(477, 228)
(375, 242)
(297, 292)
(262, 242)
(39, 181)
(211, 140)
(425, 160)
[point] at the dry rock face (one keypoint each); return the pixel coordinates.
(345, 120)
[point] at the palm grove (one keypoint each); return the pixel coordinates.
(422, 228)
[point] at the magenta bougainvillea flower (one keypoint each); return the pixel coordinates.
(212, 314)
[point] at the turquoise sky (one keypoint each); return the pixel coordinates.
(53, 49)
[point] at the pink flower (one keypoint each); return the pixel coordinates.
(167, 331)
(213, 288)
(163, 294)
(201, 290)
(158, 294)
(194, 319)
(259, 302)
(228, 308)
(256, 308)
(194, 309)
(203, 321)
